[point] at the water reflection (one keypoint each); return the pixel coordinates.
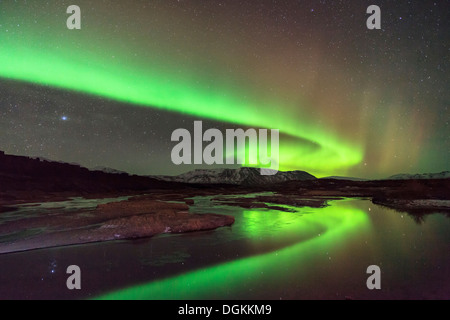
(268, 254)
(419, 216)
(320, 230)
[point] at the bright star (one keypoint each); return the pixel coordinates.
(64, 118)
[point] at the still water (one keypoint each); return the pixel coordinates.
(308, 253)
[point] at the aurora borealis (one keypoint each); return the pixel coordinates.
(227, 279)
(346, 100)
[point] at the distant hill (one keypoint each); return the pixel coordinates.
(425, 176)
(242, 176)
(29, 176)
(345, 178)
(109, 170)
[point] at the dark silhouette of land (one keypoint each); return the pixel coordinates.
(163, 207)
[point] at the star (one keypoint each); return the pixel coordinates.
(341, 93)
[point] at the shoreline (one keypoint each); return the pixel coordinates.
(152, 213)
(415, 206)
(136, 218)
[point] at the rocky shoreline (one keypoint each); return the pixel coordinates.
(138, 217)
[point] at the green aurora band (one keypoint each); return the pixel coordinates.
(85, 62)
(335, 224)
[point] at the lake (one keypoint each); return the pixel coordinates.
(308, 253)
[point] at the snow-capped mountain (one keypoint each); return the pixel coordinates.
(242, 176)
(442, 175)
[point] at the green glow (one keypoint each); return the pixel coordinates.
(87, 63)
(335, 224)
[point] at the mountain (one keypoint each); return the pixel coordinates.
(242, 176)
(344, 178)
(425, 176)
(42, 159)
(27, 177)
(109, 170)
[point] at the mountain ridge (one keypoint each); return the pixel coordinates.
(241, 176)
(421, 176)
(72, 176)
(22, 176)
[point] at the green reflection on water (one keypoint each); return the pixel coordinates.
(321, 230)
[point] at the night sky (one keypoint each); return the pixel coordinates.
(347, 100)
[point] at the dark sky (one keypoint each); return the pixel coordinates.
(348, 100)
